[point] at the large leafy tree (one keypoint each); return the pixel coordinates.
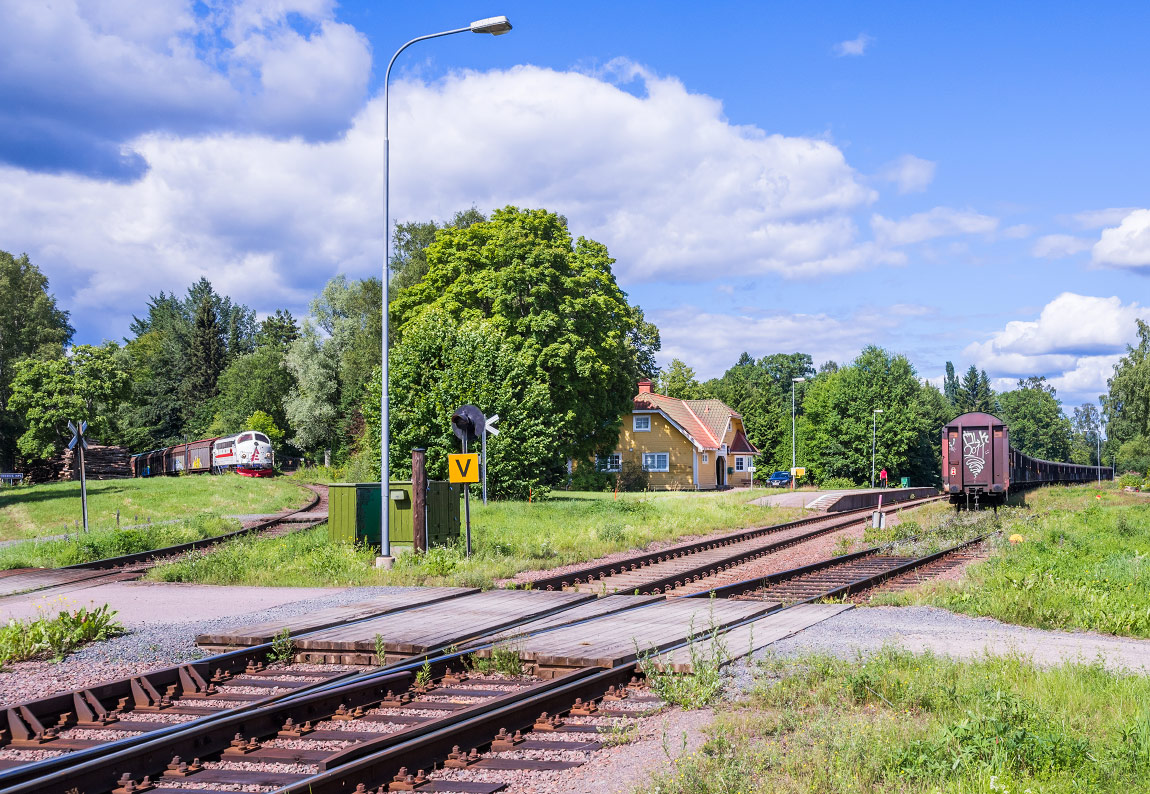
(1086, 428)
(555, 304)
(1126, 404)
(409, 246)
(31, 326)
(83, 387)
(1034, 415)
(839, 412)
(761, 392)
(332, 359)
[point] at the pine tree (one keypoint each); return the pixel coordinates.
(967, 396)
(205, 362)
(986, 401)
(950, 385)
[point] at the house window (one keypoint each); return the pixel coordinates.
(704, 457)
(612, 462)
(656, 461)
(642, 424)
(739, 463)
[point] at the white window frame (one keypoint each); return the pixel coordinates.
(739, 463)
(705, 457)
(647, 465)
(646, 418)
(609, 462)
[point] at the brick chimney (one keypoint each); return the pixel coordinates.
(644, 386)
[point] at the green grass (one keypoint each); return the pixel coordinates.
(907, 723)
(103, 543)
(508, 537)
(1083, 563)
(54, 508)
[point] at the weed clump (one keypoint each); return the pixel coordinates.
(54, 637)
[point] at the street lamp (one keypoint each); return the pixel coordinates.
(793, 464)
(496, 26)
(873, 426)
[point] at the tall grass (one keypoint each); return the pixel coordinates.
(102, 543)
(1083, 563)
(907, 723)
(54, 508)
(508, 537)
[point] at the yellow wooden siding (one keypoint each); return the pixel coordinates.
(662, 437)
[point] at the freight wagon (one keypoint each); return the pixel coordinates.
(979, 467)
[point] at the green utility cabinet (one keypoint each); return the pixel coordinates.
(353, 513)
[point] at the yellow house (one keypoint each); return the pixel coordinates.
(683, 444)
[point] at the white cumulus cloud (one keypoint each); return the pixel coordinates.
(1126, 245)
(659, 175)
(855, 46)
(1074, 342)
(1057, 246)
(909, 173)
(938, 222)
(1096, 219)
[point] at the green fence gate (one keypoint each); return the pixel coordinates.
(353, 513)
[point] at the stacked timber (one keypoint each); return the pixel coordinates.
(42, 470)
(100, 463)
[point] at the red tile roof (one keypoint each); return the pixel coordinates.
(703, 420)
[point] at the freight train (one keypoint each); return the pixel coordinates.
(248, 453)
(979, 467)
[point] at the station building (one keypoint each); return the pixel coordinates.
(685, 445)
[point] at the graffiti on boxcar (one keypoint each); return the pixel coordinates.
(974, 448)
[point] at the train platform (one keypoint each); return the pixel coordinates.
(845, 499)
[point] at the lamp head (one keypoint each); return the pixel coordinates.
(496, 26)
(798, 380)
(878, 410)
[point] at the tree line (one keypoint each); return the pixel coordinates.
(511, 313)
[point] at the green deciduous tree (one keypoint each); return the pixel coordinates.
(31, 325)
(254, 382)
(1126, 404)
(263, 423)
(83, 387)
(409, 246)
(838, 417)
(1034, 415)
(679, 381)
(556, 305)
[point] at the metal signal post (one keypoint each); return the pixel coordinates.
(78, 436)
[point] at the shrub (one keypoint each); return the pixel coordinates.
(587, 478)
(633, 477)
(837, 483)
(1130, 479)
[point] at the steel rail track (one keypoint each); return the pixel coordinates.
(680, 576)
(592, 572)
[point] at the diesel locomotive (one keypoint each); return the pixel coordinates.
(980, 468)
(248, 453)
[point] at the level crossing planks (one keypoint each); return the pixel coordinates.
(621, 637)
(604, 605)
(756, 635)
(259, 633)
(439, 625)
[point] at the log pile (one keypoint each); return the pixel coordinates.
(100, 463)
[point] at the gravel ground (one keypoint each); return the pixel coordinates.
(154, 645)
(920, 629)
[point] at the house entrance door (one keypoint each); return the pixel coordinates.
(720, 472)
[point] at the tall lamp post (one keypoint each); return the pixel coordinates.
(873, 427)
(496, 26)
(793, 463)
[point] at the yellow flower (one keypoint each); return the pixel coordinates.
(1016, 539)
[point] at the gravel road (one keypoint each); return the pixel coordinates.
(156, 644)
(931, 629)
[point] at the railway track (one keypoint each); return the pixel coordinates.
(840, 577)
(421, 725)
(21, 581)
(664, 571)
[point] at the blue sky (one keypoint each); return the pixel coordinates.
(964, 183)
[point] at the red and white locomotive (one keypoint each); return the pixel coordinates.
(248, 453)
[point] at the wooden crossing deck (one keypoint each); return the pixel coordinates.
(620, 637)
(756, 635)
(585, 611)
(421, 629)
(259, 633)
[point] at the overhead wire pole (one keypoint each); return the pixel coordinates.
(496, 26)
(793, 436)
(873, 427)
